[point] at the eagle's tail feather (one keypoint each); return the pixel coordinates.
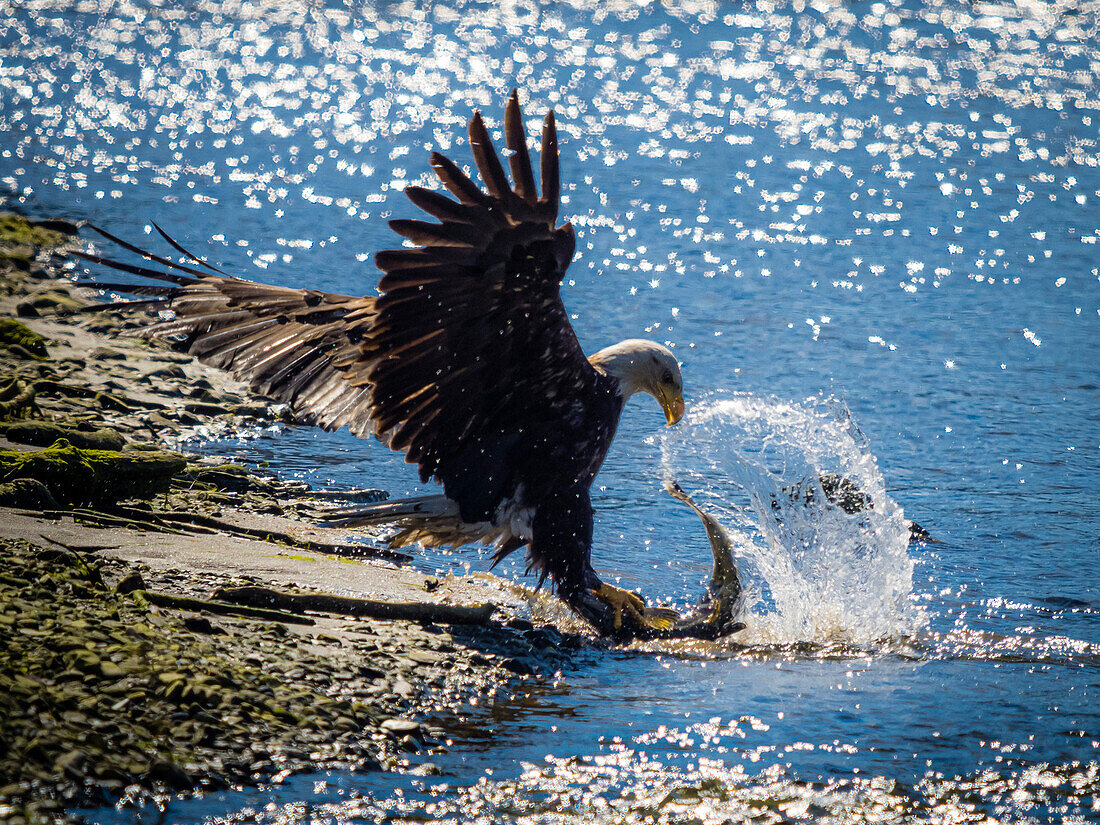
(433, 521)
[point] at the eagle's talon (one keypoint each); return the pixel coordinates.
(619, 600)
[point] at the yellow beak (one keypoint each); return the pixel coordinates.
(672, 402)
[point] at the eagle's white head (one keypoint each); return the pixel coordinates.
(645, 366)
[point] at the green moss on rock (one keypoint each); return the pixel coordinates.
(14, 334)
(74, 476)
(224, 478)
(48, 302)
(45, 433)
(17, 231)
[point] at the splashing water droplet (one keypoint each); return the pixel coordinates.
(813, 526)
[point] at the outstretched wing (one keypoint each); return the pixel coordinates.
(301, 346)
(475, 355)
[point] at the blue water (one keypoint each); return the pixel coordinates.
(893, 207)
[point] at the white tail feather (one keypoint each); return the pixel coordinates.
(433, 521)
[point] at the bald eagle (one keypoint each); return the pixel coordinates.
(465, 361)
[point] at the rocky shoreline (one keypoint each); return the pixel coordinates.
(133, 666)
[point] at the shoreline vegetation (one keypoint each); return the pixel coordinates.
(172, 623)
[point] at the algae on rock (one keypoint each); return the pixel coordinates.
(17, 339)
(22, 240)
(74, 476)
(101, 696)
(15, 230)
(45, 433)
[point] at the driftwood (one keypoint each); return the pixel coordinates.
(122, 517)
(221, 608)
(17, 400)
(198, 520)
(423, 612)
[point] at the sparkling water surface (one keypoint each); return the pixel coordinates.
(875, 211)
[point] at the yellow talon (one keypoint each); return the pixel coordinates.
(660, 618)
(620, 600)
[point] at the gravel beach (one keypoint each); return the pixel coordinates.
(171, 623)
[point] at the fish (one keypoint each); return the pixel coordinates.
(716, 615)
(720, 610)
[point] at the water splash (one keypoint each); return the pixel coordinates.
(809, 514)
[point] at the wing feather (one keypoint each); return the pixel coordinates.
(456, 181)
(436, 234)
(520, 159)
(175, 245)
(551, 176)
(443, 208)
(487, 160)
(288, 343)
(471, 348)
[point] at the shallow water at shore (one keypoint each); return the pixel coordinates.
(890, 206)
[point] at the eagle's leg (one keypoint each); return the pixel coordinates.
(621, 601)
(561, 542)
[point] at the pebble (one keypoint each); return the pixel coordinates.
(400, 727)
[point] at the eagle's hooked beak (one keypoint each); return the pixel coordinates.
(672, 402)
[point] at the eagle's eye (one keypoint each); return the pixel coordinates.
(666, 378)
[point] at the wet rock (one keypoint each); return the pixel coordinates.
(54, 226)
(423, 657)
(45, 433)
(71, 763)
(107, 401)
(200, 408)
(76, 476)
(110, 670)
(185, 418)
(104, 324)
(130, 583)
(204, 394)
(400, 727)
(250, 410)
(172, 371)
(520, 667)
(170, 774)
(171, 357)
(107, 354)
(224, 477)
(27, 493)
(201, 624)
(19, 339)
